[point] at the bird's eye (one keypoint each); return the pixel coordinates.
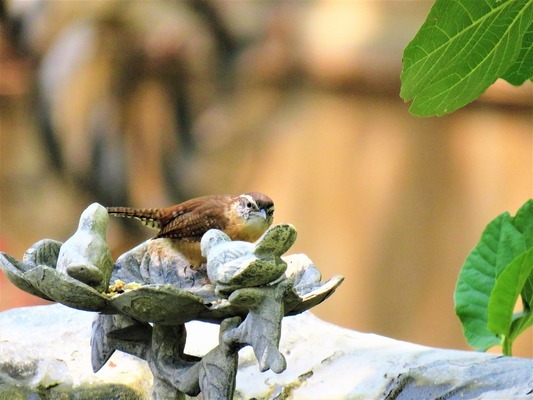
(249, 205)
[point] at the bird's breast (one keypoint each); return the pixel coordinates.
(248, 231)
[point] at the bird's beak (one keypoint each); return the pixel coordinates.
(263, 213)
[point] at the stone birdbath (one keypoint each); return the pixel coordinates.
(246, 288)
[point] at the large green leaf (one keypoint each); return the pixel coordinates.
(500, 243)
(461, 49)
(520, 323)
(527, 294)
(506, 290)
(523, 221)
(522, 69)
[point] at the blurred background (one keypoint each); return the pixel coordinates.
(149, 103)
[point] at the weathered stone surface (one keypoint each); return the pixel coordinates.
(325, 361)
(46, 350)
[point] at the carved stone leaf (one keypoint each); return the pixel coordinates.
(157, 261)
(221, 309)
(127, 266)
(14, 271)
(62, 288)
(43, 252)
(276, 241)
(262, 326)
(162, 304)
(112, 332)
(317, 296)
(308, 290)
(100, 349)
(249, 273)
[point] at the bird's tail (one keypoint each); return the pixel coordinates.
(149, 216)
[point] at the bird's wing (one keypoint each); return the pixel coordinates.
(191, 219)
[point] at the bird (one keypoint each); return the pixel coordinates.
(242, 217)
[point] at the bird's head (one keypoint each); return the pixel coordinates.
(256, 210)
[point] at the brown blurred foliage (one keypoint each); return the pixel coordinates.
(149, 103)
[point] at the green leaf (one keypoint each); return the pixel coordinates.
(524, 223)
(520, 323)
(461, 49)
(522, 69)
(527, 294)
(506, 290)
(500, 243)
(523, 220)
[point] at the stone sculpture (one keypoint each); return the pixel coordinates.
(246, 288)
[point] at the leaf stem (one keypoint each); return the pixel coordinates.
(507, 346)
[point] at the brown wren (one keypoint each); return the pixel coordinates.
(244, 217)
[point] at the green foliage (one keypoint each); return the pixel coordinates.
(496, 272)
(462, 48)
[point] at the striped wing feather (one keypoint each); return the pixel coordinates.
(189, 220)
(148, 216)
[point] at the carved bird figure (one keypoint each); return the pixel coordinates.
(85, 256)
(244, 217)
(236, 264)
